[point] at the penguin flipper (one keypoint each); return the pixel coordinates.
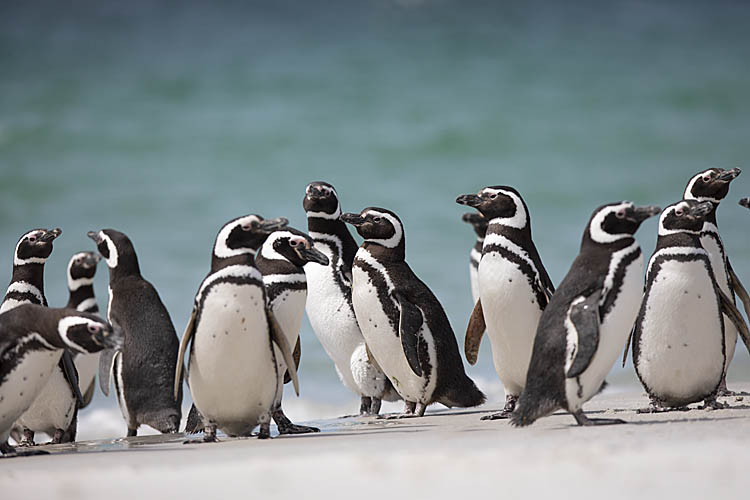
(186, 337)
(409, 323)
(106, 366)
(739, 289)
(277, 335)
(88, 395)
(296, 354)
(474, 332)
(71, 374)
(584, 315)
(731, 311)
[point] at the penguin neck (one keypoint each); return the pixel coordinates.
(680, 239)
(33, 274)
(77, 296)
(517, 236)
(127, 265)
(244, 259)
(333, 227)
(277, 266)
(386, 254)
(589, 245)
(479, 244)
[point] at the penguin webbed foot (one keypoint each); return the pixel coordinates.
(585, 421)
(57, 438)
(375, 404)
(27, 440)
(710, 403)
(265, 431)
(286, 426)
(411, 410)
(510, 405)
(209, 436)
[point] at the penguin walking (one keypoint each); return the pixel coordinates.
(329, 301)
(281, 261)
(712, 185)
(679, 348)
(514, 289)
(32, 340)
(479, 223)
(586, 324)
(55, 411)
(232, 370)
(405, 326)
(81, 271)
(144, 367)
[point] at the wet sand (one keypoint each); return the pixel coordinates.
(446, 454)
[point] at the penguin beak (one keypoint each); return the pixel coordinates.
(314, 192)
(94, 235)
(271, 225)
(745, 202)
(701, 209)
(313, 255)
(729, 175)
(470, 200)
(51, 235)
(640, 214)
(353, 219)
(91, 260)
(473, 218)
(112, 337)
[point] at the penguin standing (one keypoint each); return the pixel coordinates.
(514, 289)
(679, 349)
(32, 340)
(712, 185)
(281, 262)
(479, 223)
(232, 370)
(329, 301)
(81, 271)
(144, 367)
(586, 324)
(55, 411)
(405, 326)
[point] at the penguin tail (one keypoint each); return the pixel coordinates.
(527, 412)
(466, 395)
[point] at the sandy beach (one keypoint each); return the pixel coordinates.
(446, 454)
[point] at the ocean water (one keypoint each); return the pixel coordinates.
(164, 120)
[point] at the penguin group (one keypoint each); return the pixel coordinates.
(385, 332)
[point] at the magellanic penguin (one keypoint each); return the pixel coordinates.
(232, 370)
(281, 261)
(81, 271)
(679, 349)
(32, 340)
(713, 185)
(586, 324)
(479, 223)
(405, 327)
(514, 289)
(55, 410)
(144, 368)
(329, 301)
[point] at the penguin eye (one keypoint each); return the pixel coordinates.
(679, 212)
(249, 225)
(32, 238)
(377, 219)
(620, 213)
(93, 328)
(493, 196)
(293, 243)
(707, 177)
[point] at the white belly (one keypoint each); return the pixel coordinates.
(511, 313)
(681, 355)
(288, 307)
(53, 408)
(24, 384)
(87, 366)
(720, 273)
(232, 373)
(614, 332)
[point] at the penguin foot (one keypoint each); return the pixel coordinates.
(510, 405)
(710, 404)
(584, 421)
(498, 416)
(410, 410)
(397, 416)
(265, 431)
(374, 406)
(132, 432)
(209, 436)
(364, 406)
(27, 440)
(297, 429)
(24, 453)
(58, 436)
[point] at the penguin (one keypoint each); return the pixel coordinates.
(329, 301)
(81, 271)
(55, 412)
(404, 325)
(232, 370)
(479, 223)
(144, 367)
(713, 185)
(281, 261)
(679, 342)
(514, 289)
(586, 324)
(744, 202)
(32, 340)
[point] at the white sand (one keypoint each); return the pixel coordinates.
(447, 454)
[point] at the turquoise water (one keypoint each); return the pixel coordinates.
(166, 121)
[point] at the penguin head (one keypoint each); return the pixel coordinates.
(501, 204)
(81, 269)
(710, 185)
(86, 333)
(616, 221)
(321, 200)
(35, 246)
(685, 216)
(294, 246)
(477, 221)
(745, 202)
(245, 235)
(115, 247)
(377, 225)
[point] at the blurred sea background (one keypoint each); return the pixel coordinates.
(166, 119)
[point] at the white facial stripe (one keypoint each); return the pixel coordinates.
(670, 210)
(597, 232)
(87, 304)
(229, 272)
(674, 251)
(398, 234)
(113, 255)
(70, 321)
(268, 251)
(688, 194)
(222, 250)
(17, 261)
(75, 284)
(519, 219)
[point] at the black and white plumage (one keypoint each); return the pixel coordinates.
(712, 185)
(514, 289)
(586, 324)
(32, 340)
(329, 301)
(143, 369)
(281, 261)
(679, 349)
(404, 325)
(55, 410)
(232, 369)
(479, 223)
(81, 271)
